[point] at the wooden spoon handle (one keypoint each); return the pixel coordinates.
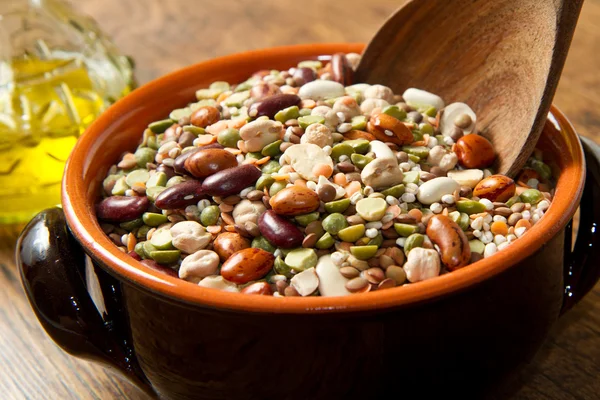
(567, 15)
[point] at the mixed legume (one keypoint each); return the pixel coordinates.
(299, 183)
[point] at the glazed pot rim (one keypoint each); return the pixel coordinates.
(88, 232)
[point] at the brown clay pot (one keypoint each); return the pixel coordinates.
(460, 333)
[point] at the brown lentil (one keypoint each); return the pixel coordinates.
(349, 272)
(387, 283)
(357, 284)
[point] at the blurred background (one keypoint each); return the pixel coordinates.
(161, 36)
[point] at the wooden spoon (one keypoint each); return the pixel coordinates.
(501, 57)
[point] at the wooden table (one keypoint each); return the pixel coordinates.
(165, 35)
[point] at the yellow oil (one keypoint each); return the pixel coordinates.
(47, 107)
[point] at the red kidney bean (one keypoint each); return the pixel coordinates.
(169, 171)
(134, 255)
(341, 70)
(180, 196)
(306, 74)
(160, 268)
(279, 231)
(121, 208)
(179, 164)
(231, 181)
(269, 106)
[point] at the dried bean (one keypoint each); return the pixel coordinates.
(179, 164)
(304, 75)
(206, 162)
(180, 196)
(247, 265)
(295, 200)
(121, 208)
(231, 181)
(228, 243)
(279, 230)
(341, 70)
(450, 238)
(269, 106)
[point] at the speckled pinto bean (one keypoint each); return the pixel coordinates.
(295, 200)
(179, 164)
(450, 238)
(495, 188)
(180, 196)
(206, 162)
(259, 288)
(475, 151)
(247, 265)
(121, 208)
(279, 231)
(389, 129)
(231, 181)
(228, 243)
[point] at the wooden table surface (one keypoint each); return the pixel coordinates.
(165, 35)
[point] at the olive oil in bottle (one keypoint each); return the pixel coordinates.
(57, 74)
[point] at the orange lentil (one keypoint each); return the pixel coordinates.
(205, 139)
(340, 179)
(308, 103)
(223, 96)
(230, 228)
(352, 188)
(214, 229)
(263, 160)
(323, 170)
(216, 127)
(394, 210)
(290, 90)
(281, 177)
(499, 228)
(523, 223)
(236, 124)
(300, 182)
(416, 214)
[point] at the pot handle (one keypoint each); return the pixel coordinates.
(52, 266)
(582, 265)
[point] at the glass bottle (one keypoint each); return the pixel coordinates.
(58, 72)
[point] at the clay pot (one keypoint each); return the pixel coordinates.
(459, 333)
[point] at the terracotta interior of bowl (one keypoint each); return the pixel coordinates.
(120, 130)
